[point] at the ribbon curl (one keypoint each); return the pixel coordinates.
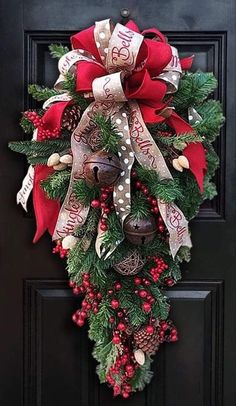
(117, 65)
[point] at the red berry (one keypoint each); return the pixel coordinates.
(125, 394)
(111, 319)
(174, 338)
(118, 286)
(116, 340)
(103, 227)
(161, 228)
(71, 284)
(150, 329)
(164, 326)
(104, 196)
(80, 322)
(110, 292)
(169, 281)
(143, 293)
(99, 296)
(121, 326)
(146, 307)
(107, 210)
(154, 202)
(74, 317)
(77, 290)
(137, 281)
(95, 310)
(115, 303)
(120, 314)
(95, 204)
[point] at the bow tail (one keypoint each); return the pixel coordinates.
(46, 210)
(194, 152)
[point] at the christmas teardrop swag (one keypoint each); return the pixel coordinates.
(121, 159)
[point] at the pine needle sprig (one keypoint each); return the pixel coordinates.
(69, 85)
(26, 125)
(41, 93)
(38, 152)
(85, 193)
(166, 190)
(58, 50)
(109, 134)
(56, 185)
(114, 232)
(178, 140)
(140, 207)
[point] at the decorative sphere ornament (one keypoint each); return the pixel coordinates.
(102, 169)
(130, 265)
(140, 231)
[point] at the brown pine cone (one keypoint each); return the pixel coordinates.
(148, 343)
(71, 118)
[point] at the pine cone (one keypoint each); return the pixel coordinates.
(71, 118)
(148, 343)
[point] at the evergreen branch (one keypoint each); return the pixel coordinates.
(56, 185)
(139, 206)
(109, 134)
(84, 193)
(179, 141)
(69, 85)
(39, 148)
(212, 120)
(41, 93)
(114, 232)
(58, 50)
(26, 125)
(143, 375)
(194, 88)
(167, 189)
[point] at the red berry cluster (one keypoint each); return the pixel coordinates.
(167, 331)
(158, 269)
(59, 250)
(104, 202)
(143, 293)
(39, 123)
(153, 202)
(121, 372)
(90, 302)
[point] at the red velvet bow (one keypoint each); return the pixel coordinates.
(153, 56)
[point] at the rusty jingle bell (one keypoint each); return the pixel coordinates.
(140, 231)
(102, 169)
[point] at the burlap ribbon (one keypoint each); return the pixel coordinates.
(118, 49)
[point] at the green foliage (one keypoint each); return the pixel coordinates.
(212, 120)
(98, 323)
(166, 190)
(109, 134)
(69, 85)
(179, 141)
(143, 375)
(114, 232)
(56, 185)
(140, 207)
(85, 193)
(190, 199)
(194, 88)
(26, 125)
(58, 50)
(41, 93)
(38, 152)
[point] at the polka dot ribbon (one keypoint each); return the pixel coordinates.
(118, 48)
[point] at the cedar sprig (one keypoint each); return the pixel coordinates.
(85, 193)
(58, 50)
(41, 93)
(109, 134)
